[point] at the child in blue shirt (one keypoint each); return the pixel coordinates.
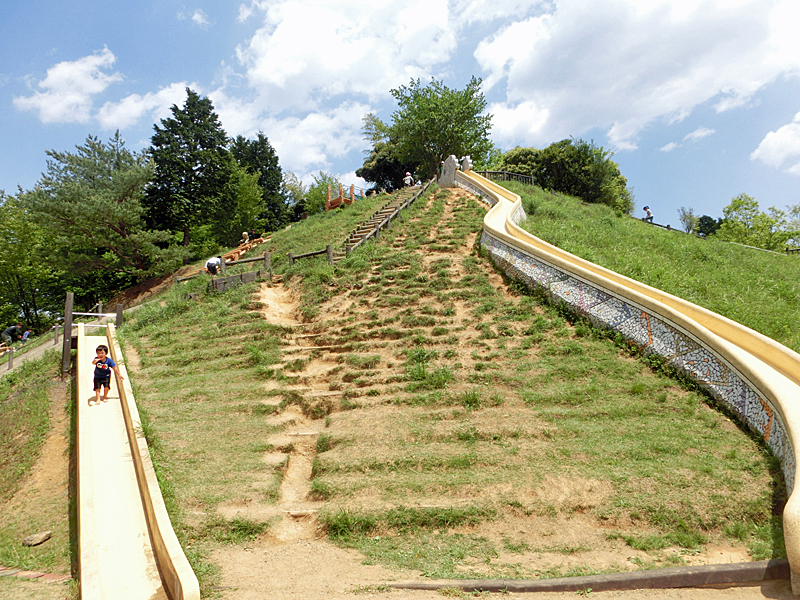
(103, 364)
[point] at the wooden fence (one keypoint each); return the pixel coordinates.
(223, 284)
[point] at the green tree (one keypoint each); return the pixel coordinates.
(28, 281)
(520, 160)
(89, 202)
(745, 223)
(688, 219)
(258, 156)
(191, 167)
(295, 192)
(433, 122)
(383, 168)
(707, 226)
(241, 206)
(317, 193)
(574, 167)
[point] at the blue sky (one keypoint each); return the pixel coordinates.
(699, 101)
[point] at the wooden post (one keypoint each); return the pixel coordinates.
(291, 258)
(329, 252)
(222, 263)
(99, 308)
(329, 196)
(119, 315)
(67, 347)
(352, 192)
(55, 338)
(10, 358)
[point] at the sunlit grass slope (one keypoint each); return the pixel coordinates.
(755, 288)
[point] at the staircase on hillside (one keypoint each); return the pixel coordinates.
(378, 220)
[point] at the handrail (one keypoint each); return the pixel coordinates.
(763, 377)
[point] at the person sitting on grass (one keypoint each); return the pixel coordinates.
(103, 365)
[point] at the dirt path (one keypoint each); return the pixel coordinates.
(290, 561)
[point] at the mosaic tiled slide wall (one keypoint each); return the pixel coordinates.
(652, 332)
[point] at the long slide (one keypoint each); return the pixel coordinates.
(755, 377)
(128, 549)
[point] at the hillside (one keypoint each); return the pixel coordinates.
(409, 405)
(755, 288)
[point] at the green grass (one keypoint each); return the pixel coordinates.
(24, 419)
(757, 289)
(448, 432)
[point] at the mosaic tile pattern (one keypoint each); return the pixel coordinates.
(653, 333)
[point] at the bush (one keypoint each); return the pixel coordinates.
(574, 167)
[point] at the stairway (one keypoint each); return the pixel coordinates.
(376, 222)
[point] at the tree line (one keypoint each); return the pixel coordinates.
(743, 222)
(103, 218)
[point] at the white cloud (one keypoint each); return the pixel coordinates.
(306, 142)
(126, 112)
(307, 52)
(699, 133)
(523, 121)
(69, 89)
(781, 147)
(198, 17)
(669, 147)
(622, 64)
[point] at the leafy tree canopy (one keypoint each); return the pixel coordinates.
(707, 225)
(688, 219)
(28, 281)
(745, 223)
(89, 204)
(383, 168)
(574, 167)
(431, 122)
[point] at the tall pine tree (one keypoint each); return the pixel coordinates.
(191, 167)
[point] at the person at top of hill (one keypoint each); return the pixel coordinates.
(649, 214)
(103, 365)
(408, 180)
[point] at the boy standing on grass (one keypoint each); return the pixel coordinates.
(103, 364)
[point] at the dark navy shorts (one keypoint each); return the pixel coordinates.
(102, 382)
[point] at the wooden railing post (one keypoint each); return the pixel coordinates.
(291, 258)
(99, 308)
(329, 252)
(221, 263)
(67, 347)
(10, 358)
(119, 315)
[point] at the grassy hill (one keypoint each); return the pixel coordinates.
(755, 288)
(408, 403)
